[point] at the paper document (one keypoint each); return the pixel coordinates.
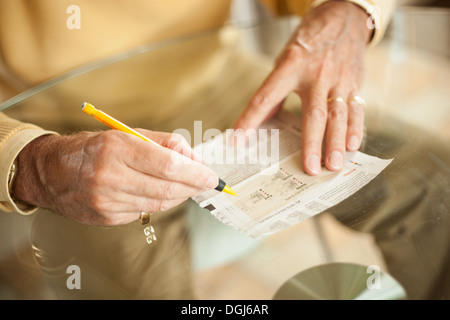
(266, 172)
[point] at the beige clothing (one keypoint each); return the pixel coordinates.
(42, 47)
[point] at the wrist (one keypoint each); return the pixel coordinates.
(28, 187)
(358, 11)
(332, 23)
(364, 20)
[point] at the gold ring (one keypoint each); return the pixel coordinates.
(337, 99)
(144, 218)
(358, 99)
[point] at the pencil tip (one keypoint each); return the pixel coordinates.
(228, 190)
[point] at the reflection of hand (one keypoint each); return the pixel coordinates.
(108, 178)
(322, 62)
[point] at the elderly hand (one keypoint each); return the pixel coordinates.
(108, 178)
(323, 64)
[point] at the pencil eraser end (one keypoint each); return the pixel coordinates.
(88, 108)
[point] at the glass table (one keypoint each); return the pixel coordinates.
(398, 224)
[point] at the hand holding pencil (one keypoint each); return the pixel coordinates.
(115, 124)
(110, 177)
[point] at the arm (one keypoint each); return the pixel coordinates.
(380, 11)
(14, 136)
(106, 178)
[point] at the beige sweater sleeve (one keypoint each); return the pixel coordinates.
(380, 11)
(14, 136)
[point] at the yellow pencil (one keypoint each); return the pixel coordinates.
(116, 124)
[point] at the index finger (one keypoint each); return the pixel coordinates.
(280, 82)
(170, 165)
(172, 141)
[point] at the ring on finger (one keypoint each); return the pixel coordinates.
(337, 99)
(357, 99)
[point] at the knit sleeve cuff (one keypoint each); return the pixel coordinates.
(9, 151)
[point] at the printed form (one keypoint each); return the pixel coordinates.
(273, 191)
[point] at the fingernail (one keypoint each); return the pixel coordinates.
(353, 143)
(335, 160)
(313, 164)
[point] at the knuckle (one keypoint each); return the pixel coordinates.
(178, 142)
(170, 168)
(97, 177)
(317, 114)
(177, 138)
(337, 113)
(104, 143)
(97, 202)
(168, 191)
(259, 102)
(291, 54)
(107, 137)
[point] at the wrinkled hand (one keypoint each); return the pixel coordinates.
(108, 178)
(323, 64)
